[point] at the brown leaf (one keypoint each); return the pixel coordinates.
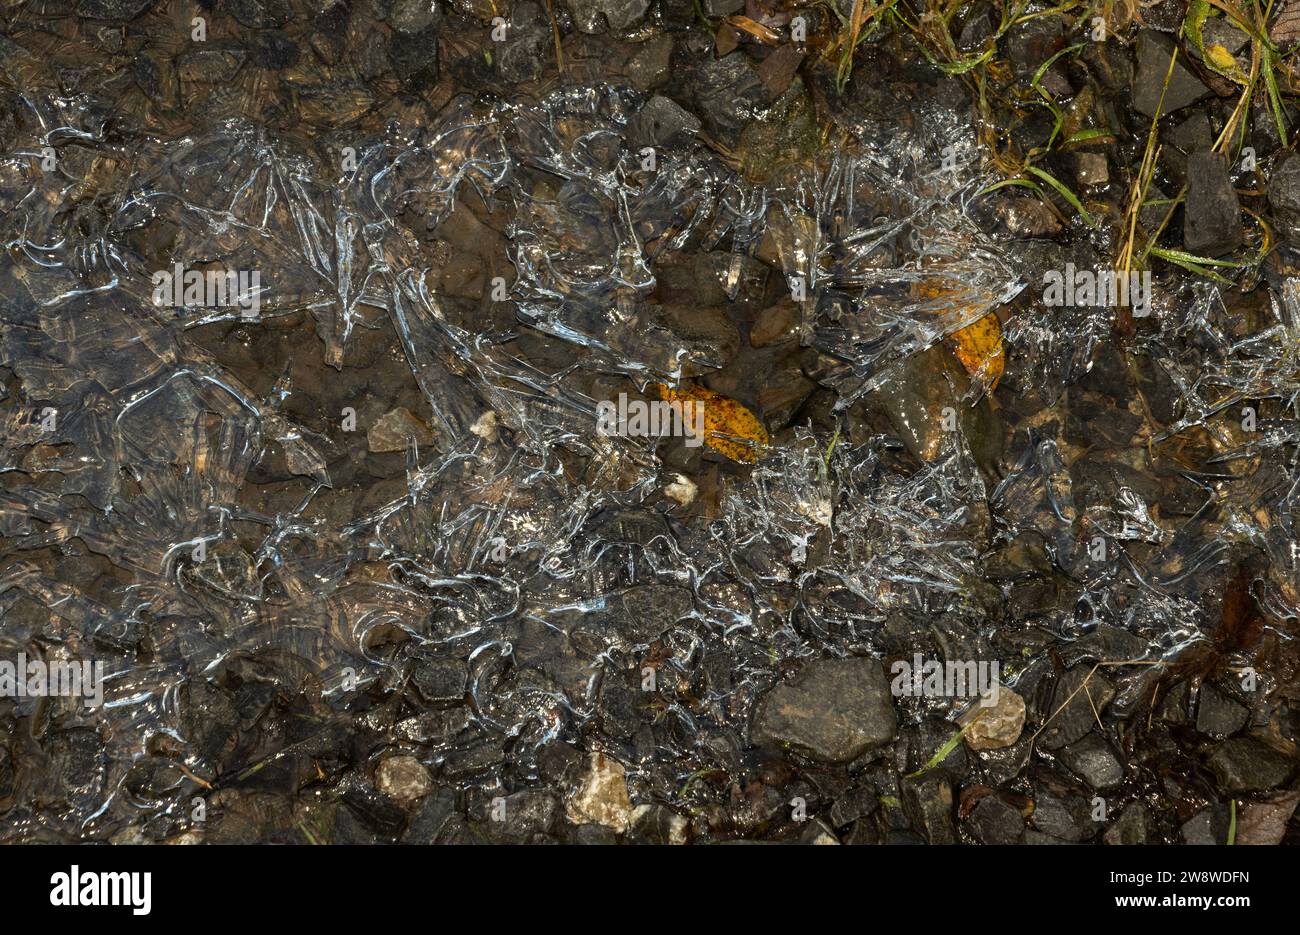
(1265, 822)
(777, 70)
(1285, 31)
(726, 40)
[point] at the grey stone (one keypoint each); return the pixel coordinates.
(661, 122)
(521, 57)
(1212, 214)
(648, 68)
(1208, 826)
(1094, 761)
(410, 17)
(994, 821)
(1131, 827)
(260, 14)
(415, 59)
(431, 818)
(112, 11)
(1072, 714)
(834, 710)
(728, 95)
(1284, 195)
(1218, 715)
(1249, 764)
(1153, 54)
(1068, 818)
(927, 800)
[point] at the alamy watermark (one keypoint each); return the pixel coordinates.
(1098, 288)
(33, 678)
(930, 678)
(641, 419)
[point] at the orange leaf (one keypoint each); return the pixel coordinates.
(728, 426)
(979, 348)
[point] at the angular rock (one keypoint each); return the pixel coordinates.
(658, 824)
(1133, 826)
(1217, 714)
(927, 800)
(1094, 761)
(260, 14)
(1208, 826)
(994, 821)
(1068, 819)
(648, 68)
(1249, 764)
(410, 17)
(1284, 195)
(1072, 712)
(415, 59)
(112, 11)
(833, 711)
(661, 122)
(1153, 54)
(1212, 214)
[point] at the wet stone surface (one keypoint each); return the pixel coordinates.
(647, 422)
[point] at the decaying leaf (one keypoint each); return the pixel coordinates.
(728, 426)
(979, 348)
(1285, 31)
(978, 345)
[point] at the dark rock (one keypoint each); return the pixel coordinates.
(1068, 818)
(440, 679)
(1249, 764)
(994, 821)
(661, 122)
(1076, 718)
(521, 817)
(410, 17)
(260, 14)
(648, 68)
(854, 805)
(371, 57)
(1094, 761)
(415, 59)
(728, 93)
(432, 817)
(1208, 826)
(1218, 715)
(274, 49)
(1131, 827)
(834, 710)
(1212, 214)
(658, 824)
(521, 56)
(927, 800)
(1153, 54)
(1284, 195)
(112, 11)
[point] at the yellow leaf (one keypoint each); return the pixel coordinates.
(979, 348)
(979, 344)
(1222, 61)
(727, 424)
